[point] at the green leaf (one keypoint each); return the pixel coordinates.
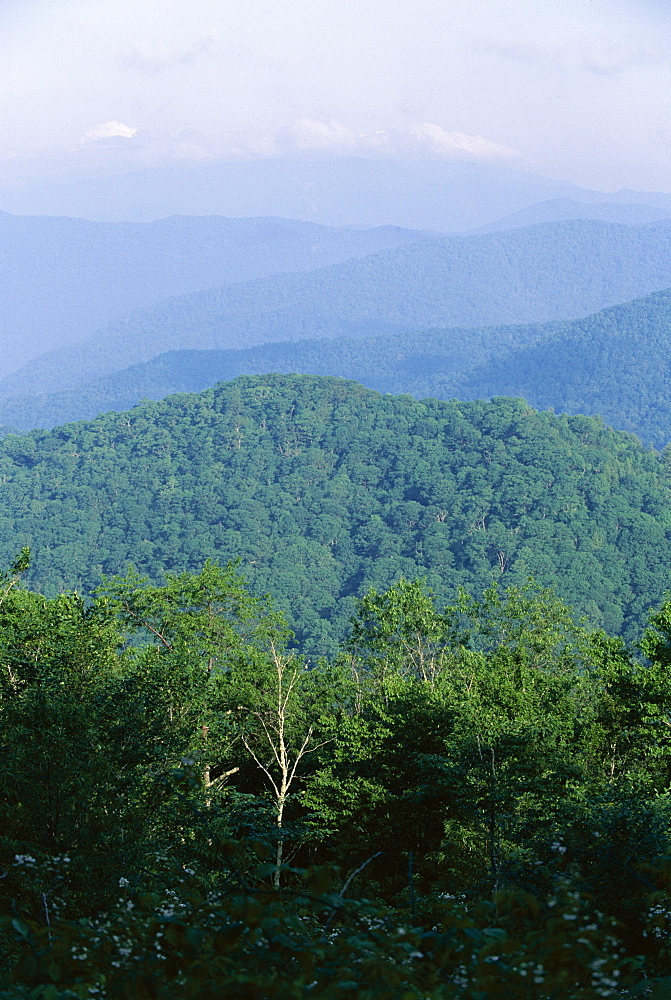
(54, 970)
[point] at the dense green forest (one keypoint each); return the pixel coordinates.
(613, 364)
(467, 801)
(323, 489)
(554, 271)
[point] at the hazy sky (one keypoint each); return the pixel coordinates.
(575, 89)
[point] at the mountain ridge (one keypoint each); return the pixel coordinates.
(78, 275)
(577, 267)
(613, 363)
(559, 209)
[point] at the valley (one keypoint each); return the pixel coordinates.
(336, 555)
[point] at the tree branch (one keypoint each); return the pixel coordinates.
(147, 625)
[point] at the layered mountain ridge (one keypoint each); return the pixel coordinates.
(614, 363)
(553, 271)
(61, 279)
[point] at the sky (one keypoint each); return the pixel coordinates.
(578, 90)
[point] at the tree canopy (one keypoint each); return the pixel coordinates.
(468, 801)
(324, 489)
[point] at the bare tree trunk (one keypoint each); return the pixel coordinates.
(280, 844)
(493, 833)
(274, 724)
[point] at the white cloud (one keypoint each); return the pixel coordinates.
(313, 136)
(152, 58)
(108, 130)
(309, 135)
(304, 136)
(458, 144)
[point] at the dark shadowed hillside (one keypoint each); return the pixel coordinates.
(616, 363)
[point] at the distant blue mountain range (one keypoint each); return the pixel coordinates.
(549, 272)
(61, 279)
(615, 363)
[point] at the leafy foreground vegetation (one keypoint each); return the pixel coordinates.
(324, 489)
(466, 802)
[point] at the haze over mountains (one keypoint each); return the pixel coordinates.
(552, 271)
(615, 363)
(419, 363)
(411, 191)
(563, 302)
(563, 209)
(61, 279)
(79, 275)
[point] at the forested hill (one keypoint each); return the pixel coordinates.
(324, 488)
(548, 272)
(615, 363)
